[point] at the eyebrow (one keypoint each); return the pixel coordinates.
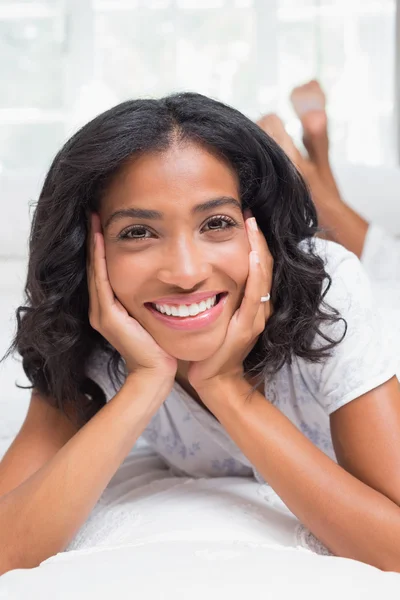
(152, 215)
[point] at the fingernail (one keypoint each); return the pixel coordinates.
(253, 224)
(255, 257)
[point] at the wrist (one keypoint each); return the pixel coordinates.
(233, 388)
(228, 399)
(150, 384)
(143, 393)
(150, 377)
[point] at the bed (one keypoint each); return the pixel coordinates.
(153, 535)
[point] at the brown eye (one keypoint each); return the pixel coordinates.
(135, 233)
(220, 223)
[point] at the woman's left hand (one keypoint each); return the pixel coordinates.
(247, 323)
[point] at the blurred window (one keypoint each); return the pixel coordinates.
(64, 61)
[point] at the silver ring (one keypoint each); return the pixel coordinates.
(265, 298)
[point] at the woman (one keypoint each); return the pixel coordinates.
(236, 344)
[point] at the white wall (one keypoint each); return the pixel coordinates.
(64, 61)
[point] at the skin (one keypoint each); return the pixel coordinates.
(340, 222)
(352, 506)
(178, 253)
(343, 224)
(309, 102)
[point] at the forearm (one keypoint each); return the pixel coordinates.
(349, 517)
(41, 516)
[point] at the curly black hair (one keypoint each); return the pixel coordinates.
(54, 336)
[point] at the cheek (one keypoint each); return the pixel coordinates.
(124, 274)
(234, 261)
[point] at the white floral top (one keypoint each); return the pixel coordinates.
(194, 443)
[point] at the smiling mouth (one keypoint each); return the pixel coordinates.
(187, 311)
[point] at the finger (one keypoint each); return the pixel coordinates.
(93, 298)
(89, 244)
(255, 240)
(98, 298)
(251, 300)
(93, 227)
(259, 244)
(267, 266)
(103, 287)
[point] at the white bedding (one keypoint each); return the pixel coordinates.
(155, 536)
(200, 571)
(145, 503)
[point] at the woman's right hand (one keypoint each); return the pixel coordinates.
(107, 315)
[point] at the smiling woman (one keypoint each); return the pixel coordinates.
(189, 246)
(176, 291)
(159, 174)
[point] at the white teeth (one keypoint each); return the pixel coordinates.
(209, 303)
(193, 310)
(184, 310)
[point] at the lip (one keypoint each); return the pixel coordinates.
(187, 299)
(200, 321)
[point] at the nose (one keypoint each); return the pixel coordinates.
(185, 264)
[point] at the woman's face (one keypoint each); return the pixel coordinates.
(176, 243)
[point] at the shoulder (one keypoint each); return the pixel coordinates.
(349, 288)
(363, 359)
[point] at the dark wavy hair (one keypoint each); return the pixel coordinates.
(54, 336)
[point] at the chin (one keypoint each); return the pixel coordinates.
(191, 352)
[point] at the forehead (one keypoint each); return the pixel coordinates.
(184, 173)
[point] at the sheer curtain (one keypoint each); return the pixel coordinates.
(64, 61)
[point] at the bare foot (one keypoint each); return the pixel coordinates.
(323, 192)
(309, 102)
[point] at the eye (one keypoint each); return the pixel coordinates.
(137, 233)
(219, 223)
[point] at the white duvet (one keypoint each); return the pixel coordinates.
(155, 536)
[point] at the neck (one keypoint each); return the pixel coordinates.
(182, 376)
(183, 368)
